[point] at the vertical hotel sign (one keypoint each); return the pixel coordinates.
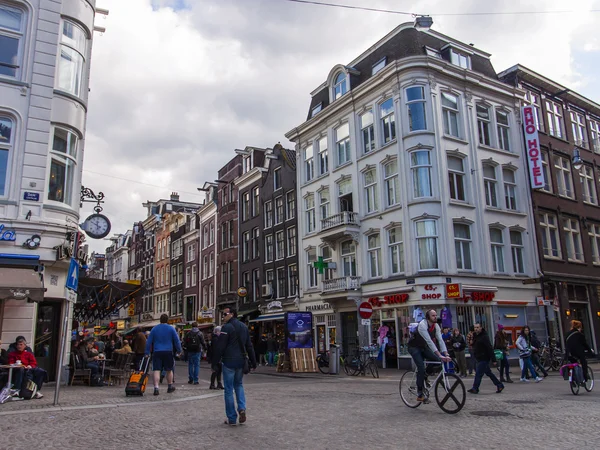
(532, 147)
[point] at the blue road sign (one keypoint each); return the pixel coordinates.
(73, 275)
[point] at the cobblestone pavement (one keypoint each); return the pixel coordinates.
(306, 412)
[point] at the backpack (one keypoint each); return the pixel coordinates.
(96, 380)
(193, 342)
(28, 390)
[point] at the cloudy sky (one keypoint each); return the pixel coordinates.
(177, 85)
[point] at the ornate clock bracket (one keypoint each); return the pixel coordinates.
(88, 196)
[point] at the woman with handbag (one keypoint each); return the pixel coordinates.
(501, 344)
(525, 350)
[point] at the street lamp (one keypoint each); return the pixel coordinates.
(423, 22)
(577, 161)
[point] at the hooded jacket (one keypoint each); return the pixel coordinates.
(482, 347)
(228, 348)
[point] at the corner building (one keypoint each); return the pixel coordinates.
(412, 194)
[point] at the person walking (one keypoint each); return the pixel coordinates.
(215, 365)
(484, 355)
(576, 346)
(525, 350)
(194, 343)
(233, 345)
(458, 345)
(501, 343)
(471, 360)
(138, 345)
(535, 354)
(271, 349)
(163, 342)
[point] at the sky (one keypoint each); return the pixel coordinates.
(177, 85)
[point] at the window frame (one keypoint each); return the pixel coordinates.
(426, 237)
(490, 186)
(594, 236)
(484, 124)
(279, 210)
(342, 145)
(367, 131)
(550, 230)
(323, 156)
(277, 179)
(517, 249)
(391, 182)
(340, 85)
(65, 160)
(374, 255)
(563, 174)
(497, 251)
(7, 146)
(396, 249)
(416, 169)
(20, 36)
(290, 205)
(268, 214)
(573, 239)
(348, 259)
(449, 112)
(279, 245)
(555, 116)
(456, 179)
(310, 217)
(588, 182)
(78, 90)
(421, 104)
(309, 163)
(370, 191)
(510, 189)
(269, 248)
(387, 120)
(464, 246)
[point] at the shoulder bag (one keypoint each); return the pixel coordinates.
(246, 368)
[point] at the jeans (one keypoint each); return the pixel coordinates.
(504, 366)
(194, 365)
(232, 379)
(94, 368)
(483, 368)
(419, 356)
(527, 364)
(37, 375)
(271, 358)
(535, 360)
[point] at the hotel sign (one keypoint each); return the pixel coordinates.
(532, 147)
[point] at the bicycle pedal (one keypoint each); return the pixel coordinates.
(426, 400)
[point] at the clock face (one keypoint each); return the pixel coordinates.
(97, 226)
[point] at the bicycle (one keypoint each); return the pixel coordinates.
(365, 360)
(445, 384)
(551, 358)
(323, 363)
(567, 372)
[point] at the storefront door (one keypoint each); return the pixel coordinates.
(46, 345)
(349, 332)
(580, 311)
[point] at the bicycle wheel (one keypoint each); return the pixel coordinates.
(556, 363)
(589, 384)
(408, 389)
(344, 364)
(574, 387)
(373, 369)
(354, 366)
(451, 395)
(323, 364)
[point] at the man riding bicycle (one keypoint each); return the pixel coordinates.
(422, 347)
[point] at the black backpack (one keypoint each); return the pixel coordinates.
(193, 342)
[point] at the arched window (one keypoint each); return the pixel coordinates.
(340, 85)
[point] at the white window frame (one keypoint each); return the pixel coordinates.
(456, 179)
(595, 134)
(309, 163)
(66, 160)
(503, 129)
(549, 229)
(534, 99)
(573, 243)
(547, 172)
(324, 203)
(564, 180)
(416, 105)
(309, 207)
(421, 174)
(510, 189)
(290, 202)
(255, 243)
(291, 241)
(367, 131)
(279, 245)
(268, 214)
(594, 235)
(588, 183)
(451, 114)
(316, 109)
(491, 186)
(484, 124)
(281, 282)
(188, 276)
(269, 248)
(387, 119)
(323, 156)
(517, 249)
(391, 183)
(579, 129)
(497, 250)
(340, 85)
(370, 190)
(19, 35)
(279, 210)
(7, 145)
(396, 249)
(463, 246)
(342, 144)
(374, 255)
(292, 280)
(460, 59)
(424, 239)
(246, 246)
(255, 201)
(73, 86)
(378, 66)
(348, 257)
(311, 271)
(277, 179)
(556, 122)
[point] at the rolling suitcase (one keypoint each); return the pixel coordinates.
(138, 379)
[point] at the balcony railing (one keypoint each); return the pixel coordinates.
(341, 284)
(343, 218)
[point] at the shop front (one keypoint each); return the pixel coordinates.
(269, 322)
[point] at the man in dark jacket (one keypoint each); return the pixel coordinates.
(484, 354)
(194, 344)
(138, 346)
(232, 347)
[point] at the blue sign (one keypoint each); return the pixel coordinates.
(299, 329)
(32, 196)
(73, 275)
(7, 235)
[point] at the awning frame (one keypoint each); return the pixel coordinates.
(19, 283)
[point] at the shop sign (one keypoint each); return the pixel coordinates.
(131, 309)
(242, 291)
(481, 296)
(532, 144)
(274, 305)
(207, 313)
(147, 316)
(389, 300)
(431, 294)
(318, 307)
(541, 301)
(67, 250)
(7, 235)
(120, 324)
(202, 320)
(299, 329)
(453, 290)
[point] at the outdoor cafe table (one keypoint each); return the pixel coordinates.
(10, 368)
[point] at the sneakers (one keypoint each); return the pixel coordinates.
(420, 398)
(170, 389)
(499, 389)
(196, 382)
(473, 391)
(242, 415)
(227, 422)
(538, 379)
(156, 391)
(190, 381)
(524, 380)
(38, 394)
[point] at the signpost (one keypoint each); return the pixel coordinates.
(365, 310)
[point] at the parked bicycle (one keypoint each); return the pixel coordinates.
(568, 371)
(551, 357)
(365, 360)
(449, 390)
(323, 363)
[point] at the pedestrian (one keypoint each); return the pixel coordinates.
(261, 349)
(458, 345)
(525, 350)
(484, 355)
(501, 343)
(164, 342)
(233, 347)
(215, 365)
(138, 346)
(271, 349)
(535, 354)
(194, 344)
(471, 360)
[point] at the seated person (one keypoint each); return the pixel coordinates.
(125, 349)
(13, 346)
(88, 360)
(30, 371)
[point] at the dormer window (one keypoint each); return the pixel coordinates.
(457, 57)
(378, 66)
(340, 86)
(317, 109)
(247, 163)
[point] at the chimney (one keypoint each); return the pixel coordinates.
(174, 197)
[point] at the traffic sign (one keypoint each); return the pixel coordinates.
(73, 275)
(365, 310)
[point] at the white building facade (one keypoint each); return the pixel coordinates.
(412, 183)
(45, 50)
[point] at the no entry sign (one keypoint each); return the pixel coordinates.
(365, 310)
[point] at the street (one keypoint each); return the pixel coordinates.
(305, 411)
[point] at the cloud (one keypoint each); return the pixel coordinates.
(177, 85)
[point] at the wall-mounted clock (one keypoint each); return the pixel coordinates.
(96, 226)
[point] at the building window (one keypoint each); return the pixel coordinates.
(510, 189)
(255, 202)
(211, 264)
(427, 240)
(378, 66)
(180, 273)
(277, 179)
(456, 178)
(224, 235)
(579, 131)
(12, 30)
(563, 177)
(293, 280)
(340, 86)
(191, 253)
(256, 294)
(211, 296)
(516, 248)
(223, 278)
(231, 234)
(450, 114)
(279, 210)
(63, 166)
(396, 247)
(497, 250)
(245, 205)
(246, 246)
(342, 142)
(462, 246)
(269, 282)
(188, 277)
(388, 120)
(280, 245)
(255, 243)
(324, 203)
(371, 197)
(269, 248)
(415, 103)
(268, 214)
(367, 131)
(556, 126)
(323, 156)
(374, 252)
(550, 237)
(589, 185)
(174, 276)
(327, 256)
(547, 172)
(290, 205)
(291, 238)
(281, 293)
(489, 181)
(311, 270)
(309, 163)
(231, 280)
(573, 240)
(309, 202)
(533, 99)
(595, 132)
(247, 164)
(246, 281)
(6, 146)
(392, 186)
(317, 109)
(594, 234)
(348, 253)
(503, 128)
(72, 60)
(483, 124)
(420, 164)
(459, 59)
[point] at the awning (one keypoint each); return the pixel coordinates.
(204, 326)
(21, 284)
(267, 317)
(247, 312)
(101, 333)
(148, 324)
(98, 299)
(128, 332)
(109, 332)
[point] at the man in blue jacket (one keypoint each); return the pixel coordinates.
(163, 342)
(232, 347)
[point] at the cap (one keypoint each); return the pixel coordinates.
(500, 327)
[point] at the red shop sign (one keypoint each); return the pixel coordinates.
(389, 299)
(481, 297)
